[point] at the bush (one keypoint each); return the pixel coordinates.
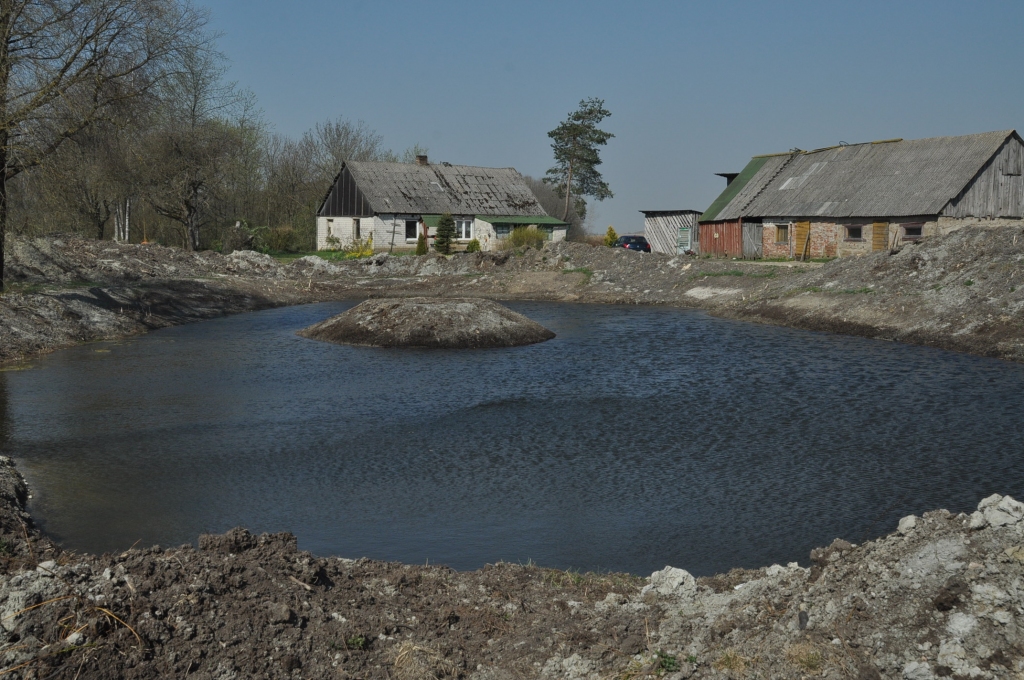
(421, 244)
(445, 234)
(360, 248)
(281, 239)
(610, 237)
(524, 237)
(473, 246)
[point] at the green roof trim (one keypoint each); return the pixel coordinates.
(520, 219)
(755, 164)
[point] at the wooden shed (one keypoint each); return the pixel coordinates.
(672, 232)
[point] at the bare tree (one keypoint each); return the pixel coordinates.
(191, 145)
(64, 63)
(552, 203)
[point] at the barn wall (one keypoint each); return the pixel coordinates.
(998, 190)
(721, 239)
(662, 230)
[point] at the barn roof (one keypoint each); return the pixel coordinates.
(895, 178)
(458, 189)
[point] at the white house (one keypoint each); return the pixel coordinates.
(394, 202)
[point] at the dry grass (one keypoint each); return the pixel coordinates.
(416, 662)
(730, 660)
(806, 657)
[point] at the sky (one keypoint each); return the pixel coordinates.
(694, 88)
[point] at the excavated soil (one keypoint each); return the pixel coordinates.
(461, 323)
(940, 597)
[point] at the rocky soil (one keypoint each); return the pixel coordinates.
(450, 323)
(961, 292)
(940, 597)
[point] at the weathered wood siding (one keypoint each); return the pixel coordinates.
(998, 190)
(345, 199)
(753, 248)
(670, 232)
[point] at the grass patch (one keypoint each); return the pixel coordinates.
(767, 274)
(731, 661)
(329, 255)
(857, 291)
(666, 662)
(806, 657)
(356, 642)
(807, 289)
(590, 580)
(730, 272)
(580, 270)
(969, 282)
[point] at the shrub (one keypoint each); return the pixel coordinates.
(524, 237)
(281, 239)
(473, 246)
(610, 237)
(421, 244)
(360, 248)
(445, 234)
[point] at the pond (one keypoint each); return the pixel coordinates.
(638, 437)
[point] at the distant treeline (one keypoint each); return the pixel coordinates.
(183, 160)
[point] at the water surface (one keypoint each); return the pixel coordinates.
(639, 437)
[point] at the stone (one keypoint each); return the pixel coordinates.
(1006, 512)
(977, 521)
(907, 524)
(671, 582)
(280, 613)
(442, 323)
(917, 670)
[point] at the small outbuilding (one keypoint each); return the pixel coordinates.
(672, 232)
(853, 199)
(393, 203)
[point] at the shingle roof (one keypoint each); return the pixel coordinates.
(457, 189)
(878, 179)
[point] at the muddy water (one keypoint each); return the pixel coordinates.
(639, 437)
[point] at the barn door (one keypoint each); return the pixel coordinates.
(752, 247)
(683, 242)
(879, 236)
(802, 240)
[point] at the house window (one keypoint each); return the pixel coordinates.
(782, 233)
(411, 227)
(464, 229)
(502, 230)
(330, 227)
(855, 233)
(912, 232)
(356, 229)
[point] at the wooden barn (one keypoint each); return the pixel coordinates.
(858, 198)
(393, 203)
(672, 231)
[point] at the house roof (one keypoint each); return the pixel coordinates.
(457, 189)
(895, 178)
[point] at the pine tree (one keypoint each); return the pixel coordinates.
(445, 234)
(576, 155)
(610, 237)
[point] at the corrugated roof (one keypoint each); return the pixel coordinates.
(881, 179)
(734, 188)
(457, 189)
(520, 219)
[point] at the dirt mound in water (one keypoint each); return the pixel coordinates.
(460, 323)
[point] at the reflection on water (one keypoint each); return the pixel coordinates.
(639, 437)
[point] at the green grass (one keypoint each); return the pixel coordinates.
(579, 270)
(666, 662)
(768, 274)
(969, 282)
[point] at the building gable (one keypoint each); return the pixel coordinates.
(344, 199)
(998, 188)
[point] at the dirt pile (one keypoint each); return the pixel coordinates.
(460, 323)
(938, 598)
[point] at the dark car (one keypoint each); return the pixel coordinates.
(633, 243)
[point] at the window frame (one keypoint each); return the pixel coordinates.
(357, 228)
(848, 235)
(782, 228)
(919, 226)
(459, 224)
(415, 230)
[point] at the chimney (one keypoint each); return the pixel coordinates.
(421, 160)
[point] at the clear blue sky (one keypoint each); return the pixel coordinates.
(694, 87)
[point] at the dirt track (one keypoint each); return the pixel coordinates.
(961, 292)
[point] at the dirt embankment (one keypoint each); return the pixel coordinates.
(962, 291)
(938, 598)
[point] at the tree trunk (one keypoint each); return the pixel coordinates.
(192, 221)
(6, 17)
(568, 193)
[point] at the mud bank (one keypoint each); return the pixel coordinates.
(937, 598)
(962, 291)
